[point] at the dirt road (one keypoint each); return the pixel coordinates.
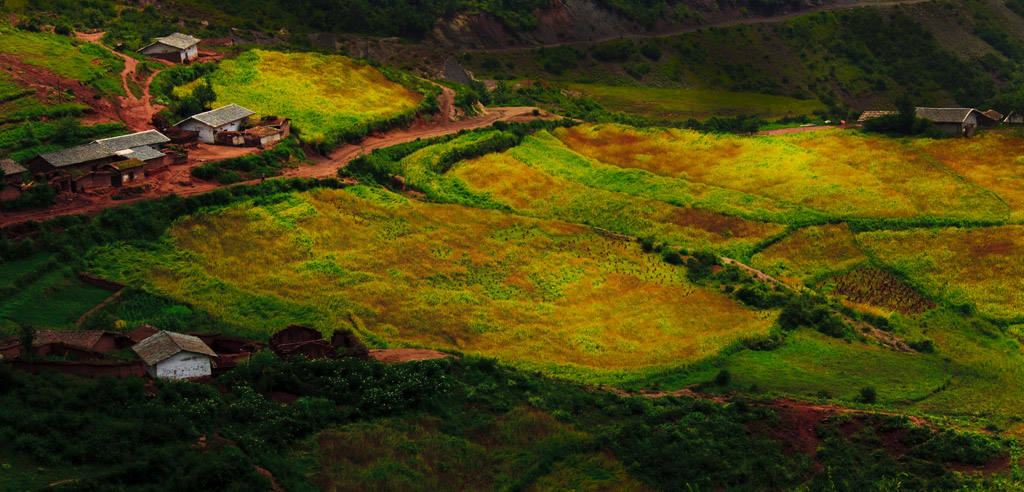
(134, 111)
(675, 31)
(179, 180)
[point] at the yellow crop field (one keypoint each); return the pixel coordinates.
(532, 192)
(322, 94)
(810, 254)
(838, 173)
(983, 266)
(995, 162)
(540, 295)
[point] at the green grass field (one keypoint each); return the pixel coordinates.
(89, 63)
(322, 94)
(53, 298)
(539, 295)
(681, 104)
(415, 455)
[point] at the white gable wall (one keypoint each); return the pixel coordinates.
(182, 365)
(206, 132)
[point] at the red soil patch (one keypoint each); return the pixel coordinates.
(392, 356)
(1000, 248)
(714, 223)
(47, 83)
(994, 465)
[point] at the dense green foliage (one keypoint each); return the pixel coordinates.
(265, 164)
(115, 435)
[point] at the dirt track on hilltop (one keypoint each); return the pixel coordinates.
(675, 31)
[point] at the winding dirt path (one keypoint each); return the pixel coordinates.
(178, 181)
(675, 31)
(134, 111)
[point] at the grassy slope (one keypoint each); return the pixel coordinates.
(541, 295)
(682, 104)
(89, 63)
(320, 93)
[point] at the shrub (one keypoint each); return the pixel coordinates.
(723, 378)
(868, 395)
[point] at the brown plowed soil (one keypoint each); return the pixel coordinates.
(392, 356)
(47, 83)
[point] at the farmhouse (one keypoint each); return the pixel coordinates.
(92, 340)
(177, 48)
(957, 121)
(175, 356)
(1014, 119)
(225, 119)
(102, 163)
(14, 175)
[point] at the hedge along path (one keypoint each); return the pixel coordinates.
(137, 113)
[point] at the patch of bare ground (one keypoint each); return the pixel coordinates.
(393, 356)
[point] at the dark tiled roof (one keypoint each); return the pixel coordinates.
(177, 40)
(142, 332)
(869, 115)
(148, 137)
(993, 115)
(945, 115)
(144, 153)
(166, 344)
(82, 339)
(221, 116)
(77, 155)
(11, 168)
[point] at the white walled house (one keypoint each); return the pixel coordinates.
(226, 119)
(171, 355)
(177, 48)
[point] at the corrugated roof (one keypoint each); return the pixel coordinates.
(10, 167)
(77, 155)
(945, 115)
(148, 137)
(220, 116)
(83, 339)
(165, 344)
(177, 40)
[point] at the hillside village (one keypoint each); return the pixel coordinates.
(584, 245)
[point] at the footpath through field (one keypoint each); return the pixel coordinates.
(134, 111)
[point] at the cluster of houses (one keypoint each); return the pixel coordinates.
(120, 161)
(172, 355)
(962, 122)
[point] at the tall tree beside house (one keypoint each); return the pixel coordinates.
(197, 102)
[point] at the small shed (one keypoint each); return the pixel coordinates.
(224, 119)
(141, 333)
(173, 355)
(870, 115)
(1014, 119)
(990, 118)
(14, 175)
(961, 122)
(89, 340)
(177, 48)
